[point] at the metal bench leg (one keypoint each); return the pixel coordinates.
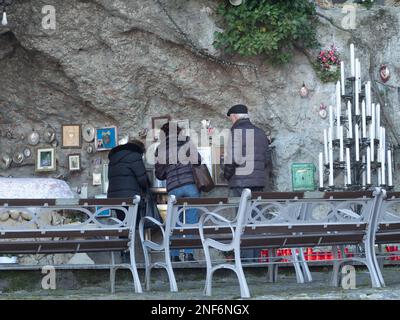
(373, 268)
(172, 281)
(209, 272)
(112, 273)
(304, 266)
(335, 267)
(138, 286)
(296, 264)
(244, 289)
(147, 263)
(271, 267)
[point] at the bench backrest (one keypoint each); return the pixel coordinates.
(89, 209)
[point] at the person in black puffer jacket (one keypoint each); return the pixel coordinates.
(179, 174)
(126, 172)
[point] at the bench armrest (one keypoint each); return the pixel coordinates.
(141, 232)
(209, 215)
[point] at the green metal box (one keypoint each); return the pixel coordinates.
(303, 177)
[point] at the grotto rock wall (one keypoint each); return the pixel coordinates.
(122, 62)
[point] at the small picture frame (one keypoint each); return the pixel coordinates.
(218, 159)
(96, 179)
(157, 123)
(106, 138)
(74, 162)
(71, 136)
(45, 160)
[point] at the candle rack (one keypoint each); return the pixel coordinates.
(365, 158)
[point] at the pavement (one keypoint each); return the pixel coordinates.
(191, 284)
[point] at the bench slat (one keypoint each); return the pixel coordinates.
(27, 202)
(348, 194)
(199, 201)
(63, 233)
(277, 195)
(62, 246)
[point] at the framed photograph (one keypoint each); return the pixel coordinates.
(71, 136)
(45, 159)
(206, 156)
(74, 162)
(96, 179)
(157, 123)
(218, 161)
(106, 138)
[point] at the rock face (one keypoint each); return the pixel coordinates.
(123, 62)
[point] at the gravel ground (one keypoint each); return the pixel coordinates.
(226, 287)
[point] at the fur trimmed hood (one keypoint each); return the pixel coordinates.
(125, 149)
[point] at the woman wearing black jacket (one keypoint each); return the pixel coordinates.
(179, 175)
(126, 172)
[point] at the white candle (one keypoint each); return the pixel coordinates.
(383, 157)
(352, 66)
(378, 119)
(368, 97)
(372, 125)
(357, 75)
(372, 146)
(368, 166)
(357, 142)
(338, 108)
(390, 173)
(364, 173)
(350, 132)
(364, 120)
(341, 144)
(330, 157)
(330, 116)
(326, 146)
(321, 171)
(348, 166)
(379, 177)
(358, 66)
(342, 85)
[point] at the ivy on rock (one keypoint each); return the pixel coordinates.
(269, 27)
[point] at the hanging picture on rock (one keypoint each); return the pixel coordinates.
(106, 138)
(45, 159)
(74, 162)
(71, 136)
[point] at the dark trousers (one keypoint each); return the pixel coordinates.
(250, 255)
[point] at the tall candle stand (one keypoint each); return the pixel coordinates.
(365, 159)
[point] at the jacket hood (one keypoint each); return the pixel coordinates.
(119, 152)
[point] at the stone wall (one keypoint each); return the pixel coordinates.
(123, 62)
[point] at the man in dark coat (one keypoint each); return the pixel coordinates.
(247, 159)
(245, 164)
(126, 172)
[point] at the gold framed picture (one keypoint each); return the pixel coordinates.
(45, 159)
(71, 136)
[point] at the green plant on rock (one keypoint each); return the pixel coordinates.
(366, 3)
(273, 28)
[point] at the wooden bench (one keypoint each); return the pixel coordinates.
(94, 233)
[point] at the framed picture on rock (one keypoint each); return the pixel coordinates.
(71, 136)
(45, 160)
(106, 138)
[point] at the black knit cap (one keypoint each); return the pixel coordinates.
(237, 109)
